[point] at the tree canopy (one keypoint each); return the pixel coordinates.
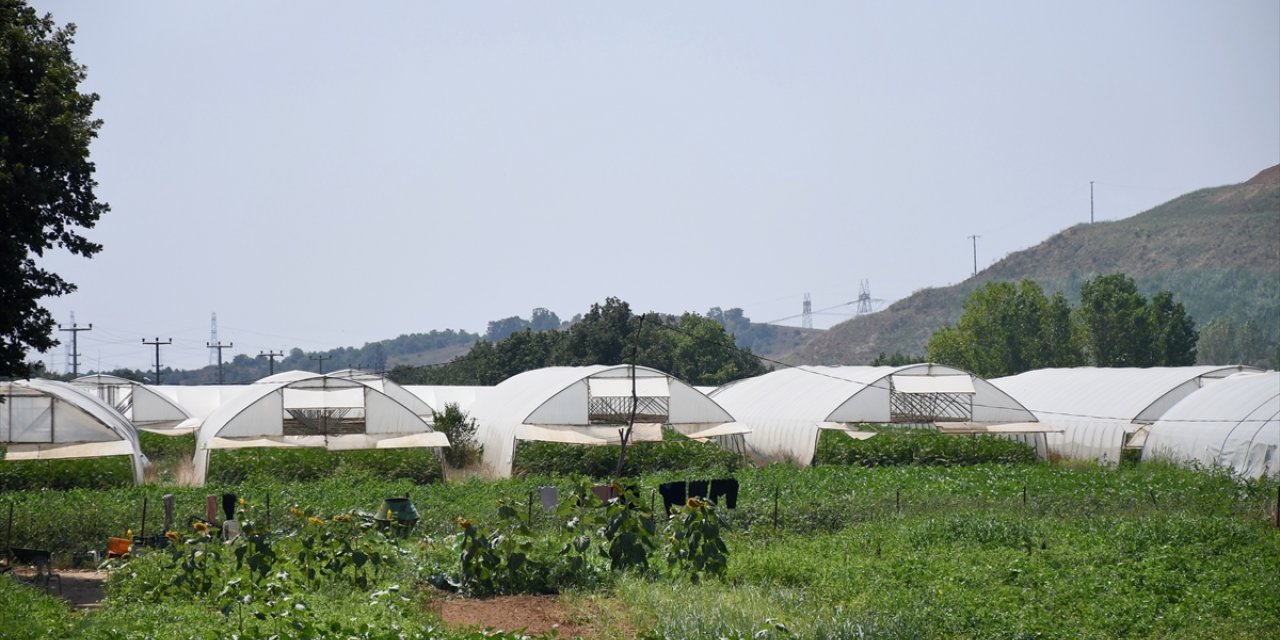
(46, 178)
(1007, 329)
(695, 348)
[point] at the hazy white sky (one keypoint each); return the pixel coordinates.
(328, 174)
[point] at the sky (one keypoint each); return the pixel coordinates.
(326, 174)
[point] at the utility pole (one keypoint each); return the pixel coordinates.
(272, 355)
(219, 346)
(157, 344)
(1090, 202)
(75, 351)
(321, 359)
(975, 253)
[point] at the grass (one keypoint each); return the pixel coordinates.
(890, 552)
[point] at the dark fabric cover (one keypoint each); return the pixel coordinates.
(673, 493)
(698, 488)
(726, 488)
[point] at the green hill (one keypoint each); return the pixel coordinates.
(1216, 249)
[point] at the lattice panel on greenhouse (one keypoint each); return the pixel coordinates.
(930, 407)
(617, 409)
(317, 422)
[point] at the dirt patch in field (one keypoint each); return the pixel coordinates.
(531, 614)
(83, 589)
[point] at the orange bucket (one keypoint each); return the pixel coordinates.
(117, 547)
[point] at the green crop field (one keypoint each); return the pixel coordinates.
(986, 550)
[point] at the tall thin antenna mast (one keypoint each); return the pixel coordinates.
(806, 313)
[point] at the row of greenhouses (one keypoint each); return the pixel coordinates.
(1212, 416)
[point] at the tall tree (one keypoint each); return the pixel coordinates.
(1007, 329)
(543, 319)
(1173, 332)
(1115, 323)
(46, 178)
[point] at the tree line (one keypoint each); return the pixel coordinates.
(692, 347)
(1008, 328)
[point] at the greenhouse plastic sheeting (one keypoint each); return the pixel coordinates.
(1234, 423)
(784, 408)
(1100, 408)
(552, 403)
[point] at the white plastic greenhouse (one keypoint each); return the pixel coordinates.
(198, 401)
(787, 409)
(312, 410)
(590, 405)
(1104, 410)
(146, 408)
(45, 419)
(1232, 423)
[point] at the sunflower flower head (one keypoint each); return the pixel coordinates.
(694, 503)
(171, 535)
(200, 526)
(315, 520)
(298, 513)
(464, 523)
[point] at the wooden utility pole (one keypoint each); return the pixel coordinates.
(219, 346)
(157, 344)
(75, 349)
(321, 359)
(271, 355)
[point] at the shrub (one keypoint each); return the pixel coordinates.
(89, 473)
(236, 466)
(905, 446)
(675, 454)
(461, 430)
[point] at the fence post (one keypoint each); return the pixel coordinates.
(897, 500)
(1277, 518)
